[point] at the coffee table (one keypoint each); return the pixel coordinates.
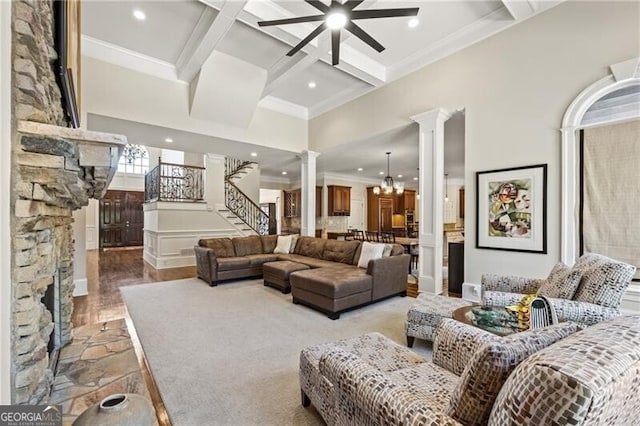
(494, 319)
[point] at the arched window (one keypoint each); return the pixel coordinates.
(134, 159)
(590, 170)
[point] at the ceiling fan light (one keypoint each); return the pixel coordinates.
(336, 20)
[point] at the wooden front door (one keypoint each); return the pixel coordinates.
(386, 214)
(121, 219)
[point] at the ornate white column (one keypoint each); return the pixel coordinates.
(431, 152)
(308, 193)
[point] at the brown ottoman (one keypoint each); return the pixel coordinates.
(276, 274)
(331, 290)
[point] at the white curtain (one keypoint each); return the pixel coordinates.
(611, 192)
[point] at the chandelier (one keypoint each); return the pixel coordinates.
(132, 152)
(388, 186)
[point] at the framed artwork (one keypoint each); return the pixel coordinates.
(511, 209)
(67, 45)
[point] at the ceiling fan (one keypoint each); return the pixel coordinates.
(337, 16)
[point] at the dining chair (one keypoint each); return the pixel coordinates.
(372, 236)
(358, 234)
(388, 237)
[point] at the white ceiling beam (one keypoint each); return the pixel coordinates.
(520, 9)
(209, 31)
(352, 62)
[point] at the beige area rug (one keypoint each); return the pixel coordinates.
(229, 355)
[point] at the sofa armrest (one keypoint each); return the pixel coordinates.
(455, 343)
(375, 394)
(500, 298)
(510, 283)
(583, 313)
(206, 264)
(389, 275)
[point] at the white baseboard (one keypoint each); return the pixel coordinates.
(80, 287)
(166, 262)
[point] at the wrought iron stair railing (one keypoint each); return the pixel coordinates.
(238, 202)
(249, 212)
(174, 182)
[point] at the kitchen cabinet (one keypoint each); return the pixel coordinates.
(409, 196)
(339, 200)
(293, 203)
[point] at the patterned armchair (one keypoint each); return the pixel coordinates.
(588, 293)
(552, 375)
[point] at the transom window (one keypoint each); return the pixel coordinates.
(134, 160)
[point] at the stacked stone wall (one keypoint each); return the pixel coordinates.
(55, 170)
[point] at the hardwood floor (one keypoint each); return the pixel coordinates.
(107, 271)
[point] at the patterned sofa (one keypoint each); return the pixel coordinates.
(588, 293)
(547, 376)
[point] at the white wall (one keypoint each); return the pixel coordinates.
(515, 88)
(250, 184)
(5, 186)
(119, 92)
(80, 253)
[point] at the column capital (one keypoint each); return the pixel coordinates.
(308, 155)
(430, 118)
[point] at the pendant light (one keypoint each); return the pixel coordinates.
(446, 187)
(388, 186)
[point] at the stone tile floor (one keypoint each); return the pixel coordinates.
(99, 362)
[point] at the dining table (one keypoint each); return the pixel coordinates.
(409, 244)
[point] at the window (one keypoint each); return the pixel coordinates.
(134, 159)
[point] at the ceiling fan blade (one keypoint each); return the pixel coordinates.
(351, 4)
(363, 35)
(384, 13)
(315, 33)
(318, 5)
(286, 21)
(335, 47)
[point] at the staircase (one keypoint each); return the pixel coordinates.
(239, 209)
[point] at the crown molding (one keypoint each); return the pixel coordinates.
(338, 99)
(117, 55)
(284, 107)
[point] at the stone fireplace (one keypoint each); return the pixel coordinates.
(54, 171)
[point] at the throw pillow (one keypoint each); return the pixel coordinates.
(561, 283)
(604, 280)
(370, 251)
(284, 244)
(294, 241)
(491, 365)
(387, 250)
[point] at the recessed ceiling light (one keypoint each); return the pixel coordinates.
(399, 176)
(139, 15)
(254, 154)
(312, 85)
(359, 169)
(415, 178)
(168, 140)
(284, 173)
(413, 22)
(381, 173)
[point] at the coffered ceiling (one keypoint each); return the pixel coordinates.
(176, 39)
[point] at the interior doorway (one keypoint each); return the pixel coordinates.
(121, 219)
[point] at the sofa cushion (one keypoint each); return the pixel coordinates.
(561, 283)
(587, 378)
(222, 247)
(370, 251)
(309, 261)
(268, 243)
(604, 280)
(333, 283)
(310, 246)
(233, 263)
(283, 245)
(247, 245)
(340, 251)
(259, 259)
(490, 366)
(294, 242)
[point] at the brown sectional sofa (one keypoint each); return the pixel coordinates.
(332, 283)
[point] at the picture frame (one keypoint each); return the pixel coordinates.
(511, 209)
(67, 20)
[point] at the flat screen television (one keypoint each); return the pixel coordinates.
(67, 67)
